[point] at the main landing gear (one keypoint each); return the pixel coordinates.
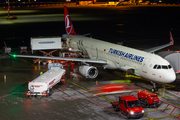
(155, 88)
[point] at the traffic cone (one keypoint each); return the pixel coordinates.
(96, 82)
(35, 68)
(4, 78)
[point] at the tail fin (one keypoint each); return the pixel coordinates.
(171, 38)
(68, 23)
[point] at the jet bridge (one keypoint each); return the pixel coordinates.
(173, 57)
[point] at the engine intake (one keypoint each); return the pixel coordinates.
(88, 71)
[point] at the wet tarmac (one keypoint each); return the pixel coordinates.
(68, 100)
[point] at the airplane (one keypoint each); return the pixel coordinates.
(144, 63)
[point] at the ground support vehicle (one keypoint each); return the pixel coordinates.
(129, 106)
(147, 98)
(7, 50)
(54, 66)
(41, 86)
(67, 63)
(12, 17)
(22, 49)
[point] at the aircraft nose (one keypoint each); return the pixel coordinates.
(170, 77)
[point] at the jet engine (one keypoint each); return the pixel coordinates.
(88, 71)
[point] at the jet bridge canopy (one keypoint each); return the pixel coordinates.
(173, 58)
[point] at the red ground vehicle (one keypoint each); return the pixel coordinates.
(148, 98)
(128, 105)
(114, 88)
(12, 17)
(67, 63)
(22, 49)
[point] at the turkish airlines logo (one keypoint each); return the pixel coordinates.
(68, 24)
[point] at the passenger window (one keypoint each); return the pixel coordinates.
(125, 105)
(164, 67)
(169, 66)
(159, 67)
(154, 66)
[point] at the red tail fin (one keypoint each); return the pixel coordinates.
(68, 23)
(171, 38)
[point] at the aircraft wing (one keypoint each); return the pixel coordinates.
(64, 58)
(161, 46)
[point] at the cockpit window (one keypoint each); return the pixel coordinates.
(169, 66)
(164, 67)
(154, 66)
(159, 67)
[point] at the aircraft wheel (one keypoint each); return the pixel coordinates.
(155, 105)
(156, 89)
(115, 109)
(147, 105)
(153, 90)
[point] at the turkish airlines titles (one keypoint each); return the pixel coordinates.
(127, 55)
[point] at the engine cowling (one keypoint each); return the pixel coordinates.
(88, 71)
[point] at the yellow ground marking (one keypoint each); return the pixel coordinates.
(148, 117)
(30, 63)
(133, 76)
(159, 118)
(152, 111)
(164, 117)
(143, 87)
(163, 92)
(88, 90)
(109, 74)
(158, 110)
(118, 78)
(168, 97)
(168, 109)
(27, 62)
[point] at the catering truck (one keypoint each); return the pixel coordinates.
(45, 43)
(129, 106)
(42, 85)
(148, 99)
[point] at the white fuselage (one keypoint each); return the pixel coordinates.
(124, 58)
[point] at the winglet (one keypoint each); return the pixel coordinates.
(171, 38)
(68, 24)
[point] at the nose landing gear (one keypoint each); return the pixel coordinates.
(155, 88)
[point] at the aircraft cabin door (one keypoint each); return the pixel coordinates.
(145, 64)
(94, 52)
